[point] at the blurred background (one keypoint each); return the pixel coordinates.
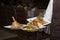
(21, 10)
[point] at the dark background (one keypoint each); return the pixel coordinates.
(7, 10)
(55, 26)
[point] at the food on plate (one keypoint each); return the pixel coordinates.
(35, 24)
(15, 24)
(32, 25)
(40, 20)
(28, 28)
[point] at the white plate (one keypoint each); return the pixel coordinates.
(41, 26)
(9, 26)
(31, 19)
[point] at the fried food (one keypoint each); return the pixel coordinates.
(32, 25)
(35, 24)
(40, 20)
(15, 24)
(28, 28)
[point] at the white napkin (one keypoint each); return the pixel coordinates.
(48, 14)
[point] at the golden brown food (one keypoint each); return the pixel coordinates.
(32, 25)
(40, 20)
(35, 24)
(15, 24)
(28, 28)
